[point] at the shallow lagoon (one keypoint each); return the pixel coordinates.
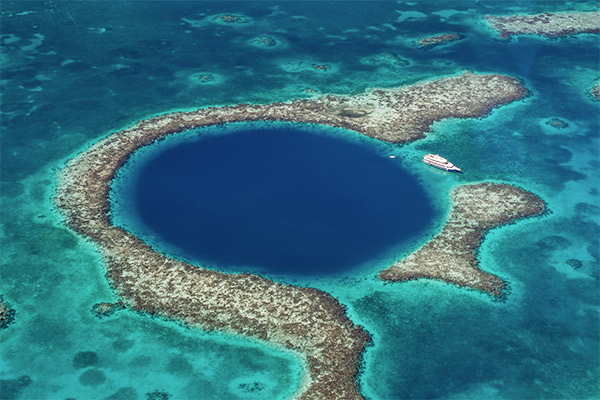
(276, 198)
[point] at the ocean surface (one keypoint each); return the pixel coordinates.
(72, 72)
(290, 200)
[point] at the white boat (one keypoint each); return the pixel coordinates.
(435, 160)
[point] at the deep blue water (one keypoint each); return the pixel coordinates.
(280, 199)
(73, 72)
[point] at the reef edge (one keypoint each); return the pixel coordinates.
(305, 320)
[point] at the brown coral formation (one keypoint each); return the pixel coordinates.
(322, 67)
(6, 315)
(451, 255)
(306, 320)
(105, 309)
(432, 41)
(264, 41)
(557, 123)
(595, 91)
(546, 24)
(229, 19)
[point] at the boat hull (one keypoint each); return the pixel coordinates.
(439, 162)
(443, 168)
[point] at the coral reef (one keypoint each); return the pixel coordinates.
(432, 41)
(386, 58)
(595, 91)
(308, 321)
(7, 315)
(545, 24)
(229, 19)
(263, 41)
(296, 65)
(451, 255)
(104, 309)
(575, 263)
(557, 123)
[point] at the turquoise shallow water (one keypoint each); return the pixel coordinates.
(73, 72)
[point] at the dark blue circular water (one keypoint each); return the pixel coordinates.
(280, 199)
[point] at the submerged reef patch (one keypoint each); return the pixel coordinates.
(158, 395)
(554, 126)
(124, 393)
(13, 388)
(105, 309)
(84, 359)
(545, 24)
(92, 377)
(230, 19)
(7, 315)
(264, 42)
(305, 320)
(387, 58)
(205, 78)
(433, 41)
(557, 123)
(451, 255)
(308, 66)
(595, 91)
(575, 263)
